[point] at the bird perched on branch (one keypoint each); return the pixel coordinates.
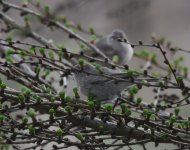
(104, 83)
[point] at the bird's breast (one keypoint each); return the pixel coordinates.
(127, 53)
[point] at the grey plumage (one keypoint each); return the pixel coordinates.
(99, 87)
(103, 88)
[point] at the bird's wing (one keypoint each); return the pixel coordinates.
(123, 75)
(102, 46)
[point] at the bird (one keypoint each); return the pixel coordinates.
(104, 83)
(99, 87)
(115, 45)
(95, 82)
(96, 85)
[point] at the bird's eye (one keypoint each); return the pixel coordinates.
(119, 40)
(122, 40)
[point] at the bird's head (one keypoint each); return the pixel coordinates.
(118, 36)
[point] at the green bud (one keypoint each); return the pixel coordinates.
(34, 95)
(62, 94)
(133, 90)
(21, 98)
(130, 73)
(147, 113)
(60, 54)
(180, 126)
(9, 59)
(68, 98)
(9, 52)
(46, 9)
(31, 113)
(176, 110)
(90, 98)
(43, 87)
(145, 53)
(68, 109)
(52, 99)
(179, 79)
(32, 50)
(91, 104)
(172, 119)
(163, 136)
(153, 58)
(117, 110)
(24, 120)
(59, 133)
(139, 100)
(32, 130)
(185, 123)
(75, 89)
(97, 66)
(128, 112)
(93, 37)
(37, 69)
(42, 51)
(22, 53)
(167, 122)
(81, 62)
(60, 46)
(108, 107)
(51, 55)
(37, 98)
(46, 72)
(123, 106)
(2, 86)
(51, 111)
(161, 83)
(25, 90)
(80, 136)
(82, 45)
(26, 20)
(2, 117)
(91, 30)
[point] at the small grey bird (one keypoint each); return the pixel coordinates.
(115, 44)
(99, 87)
(102, 88)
